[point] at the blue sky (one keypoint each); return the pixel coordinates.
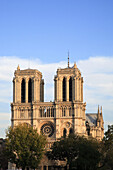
(42, 32)
(48, 28)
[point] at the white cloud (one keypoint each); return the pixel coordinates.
(96, 71)
(9, 64)
(5, 116)
(5, 120)
(97, 65)
(4, 123)
(98, 84)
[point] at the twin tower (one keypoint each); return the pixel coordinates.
(54, 119)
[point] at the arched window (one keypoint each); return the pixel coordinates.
(48, 112)
(53, 112)
(64, 112)
(45, 112)
(30, 91)
(23, 91)
(40, 112)
(64, 132)
(70, 112)
(88, 128)
(71, 131)
(64, 89)
(70, 89)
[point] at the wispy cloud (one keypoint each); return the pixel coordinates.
(96, 71)
(5, 116)
(98, 84)
(4, 123)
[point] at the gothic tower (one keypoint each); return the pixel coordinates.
(28, 89)
(69, 100)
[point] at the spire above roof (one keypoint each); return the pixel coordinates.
(18, 68)
(75, 66)
(98, 115)
(68, 59)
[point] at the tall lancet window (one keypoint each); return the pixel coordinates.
(64, 133)
(23, 91)
(64, 89)
(70, 89)
(30, 91)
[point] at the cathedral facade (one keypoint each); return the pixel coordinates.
(59, 118)
(65, 115)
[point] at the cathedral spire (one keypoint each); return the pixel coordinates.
(18, 68)
(68, 59)
(101, 109)
(101, 114)
(98, 109)
(98, 116)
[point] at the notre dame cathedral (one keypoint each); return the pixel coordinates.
(66, 114)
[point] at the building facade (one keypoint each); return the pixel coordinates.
(59, 118)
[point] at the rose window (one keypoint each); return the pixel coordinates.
(47, 129)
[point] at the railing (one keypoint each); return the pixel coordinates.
(49, 110)
(44, 110)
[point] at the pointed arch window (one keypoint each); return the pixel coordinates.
(64, 132)
(88, 128)
(64, 111)
(41, 112)
(70, 89)
(70, 111)
(23, 91)
(64, 89)
(71, 131)
(30, 91)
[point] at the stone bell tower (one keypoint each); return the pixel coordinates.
(69, 85)
(28, 89)
(69, 100)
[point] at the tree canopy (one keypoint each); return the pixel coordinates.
(89, 154)
(79, 152)
(3, 156)
(25, 147)
(108, 147)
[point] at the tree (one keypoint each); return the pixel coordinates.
(25, 147)
(3, 156)
(89, 154)
(80, 153)
(65, 150)
(108, 138)
(108, 150)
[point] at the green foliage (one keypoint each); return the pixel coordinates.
(80, 153)
(108, 147)
(89, 155)
(3, 157)
(108, 138)
(64, 150)
(25, 147)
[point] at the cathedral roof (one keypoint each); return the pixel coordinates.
(27, 72)
(92, 119)
(69, 71)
